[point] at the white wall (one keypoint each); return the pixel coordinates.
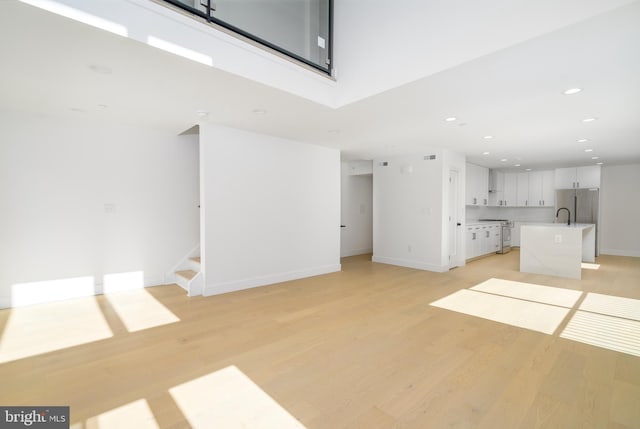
(409, 210)
(271, 208)
(56, 177)
(356, 212)
(620, 210)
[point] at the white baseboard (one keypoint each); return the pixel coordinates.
(225, 287)
(356, 252)
(618, 252)
(409, 264)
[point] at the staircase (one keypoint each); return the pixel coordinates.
(189, 276)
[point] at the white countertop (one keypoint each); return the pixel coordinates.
(482, 222)
(559, 225)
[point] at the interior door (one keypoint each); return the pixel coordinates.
(453, 220)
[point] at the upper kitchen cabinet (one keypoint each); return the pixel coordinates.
(504, 189)
(578, 177)
(510, 189)
(496, 187)
(477, 185)
(541, 189)
(522, 193)
(534, 189)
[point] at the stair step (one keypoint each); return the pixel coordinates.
(195, 259)
(187, 274)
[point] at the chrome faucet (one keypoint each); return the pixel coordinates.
(568, 214)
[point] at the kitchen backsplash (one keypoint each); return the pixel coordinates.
(526, 214)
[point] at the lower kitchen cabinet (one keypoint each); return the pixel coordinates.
(482, 239)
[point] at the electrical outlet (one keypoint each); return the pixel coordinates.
(558, 238)
(409, 248)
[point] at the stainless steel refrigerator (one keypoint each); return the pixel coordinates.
(583, 205)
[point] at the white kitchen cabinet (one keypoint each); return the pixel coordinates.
(588, 177)
(473, 242)
(522, 189)
(525, 189)
(578, 177)
(490, 239)
(477, 185)
(548, 190)
(484, 242)
(496, 237)
(482, 239)
(496, 188)
(541, 189)
(510, 189)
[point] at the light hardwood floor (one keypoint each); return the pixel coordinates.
(357, 349)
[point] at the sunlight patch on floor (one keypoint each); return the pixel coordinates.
(227, 398)
(530, 292)
(608, 332)
(516, 312)
(588, 266)
(606, 321)
(138, 310)
(134, 415)
(618, 306)
(45, 328)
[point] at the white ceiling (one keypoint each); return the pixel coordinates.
(514, 94)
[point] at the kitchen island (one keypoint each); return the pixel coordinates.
(557, 249)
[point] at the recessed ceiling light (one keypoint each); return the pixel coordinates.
(259, 111)
(77, 109)
(333, 131)
(486, 153)
(527, 169)
(202, 113)
(583, 141)
(588, 150)
(589, 119)
(488, 137)
(450, 119)
(572, 91)
(516, 165)
(599, 163)
(595, 157)
(102, 106)
(504, 160)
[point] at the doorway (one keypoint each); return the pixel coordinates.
(454, 223)
(356, 209)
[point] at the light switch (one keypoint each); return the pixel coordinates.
(109, 208)
(321, 42)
